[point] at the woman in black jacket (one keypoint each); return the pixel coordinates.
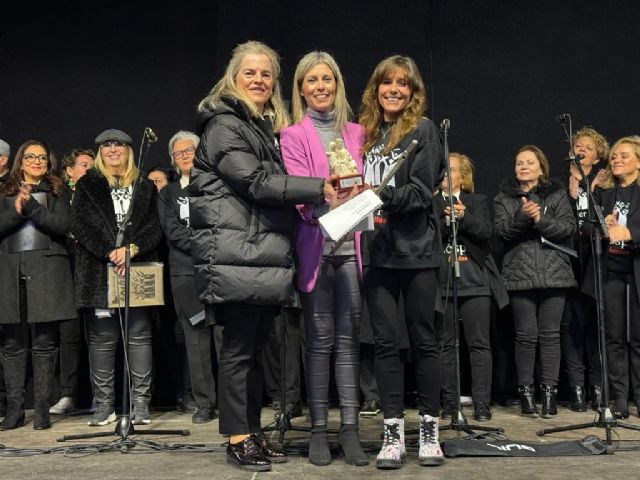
(402, 255)
(35, 277)
(532, 216)
(243, 218)
(173, 209)
(619, 197)
(478, 282)
(101, 201)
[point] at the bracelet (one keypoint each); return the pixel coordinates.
(134, 249)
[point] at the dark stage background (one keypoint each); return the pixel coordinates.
(500, 70)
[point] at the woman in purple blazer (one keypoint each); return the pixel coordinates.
(328, 282)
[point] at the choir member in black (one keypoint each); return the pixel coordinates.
(173, 209)
(579, 329)
(533, 218)
(619, 197)
(479, 280)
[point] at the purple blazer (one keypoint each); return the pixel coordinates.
(304, 155)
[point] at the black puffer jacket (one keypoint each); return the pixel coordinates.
(242, 211)
(528, 263)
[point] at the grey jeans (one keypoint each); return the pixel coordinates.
(104, 336)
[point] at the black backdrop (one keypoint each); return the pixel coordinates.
(500, 70)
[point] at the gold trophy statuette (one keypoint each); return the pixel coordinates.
(341, 163)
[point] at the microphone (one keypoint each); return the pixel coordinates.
(151, 135)
(562, 118)
(445, 124)
(577, 158)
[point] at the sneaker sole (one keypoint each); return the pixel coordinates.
(431, 461)
(110, 419)
(388, 464)
(369, 414)
(141, 422)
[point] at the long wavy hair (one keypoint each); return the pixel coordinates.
(609, 180)
(226, 86)
(13, 184)
(298, 103)
(130, 173)
(371, 113)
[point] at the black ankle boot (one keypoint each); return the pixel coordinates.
(349, 440)
(527, 400)
(319, 453)
(549, 407)
(247, 455)
(578, 402)
(595, 393)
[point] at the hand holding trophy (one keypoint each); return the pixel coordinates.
(341, 163)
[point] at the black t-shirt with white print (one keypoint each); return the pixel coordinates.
(619, 253)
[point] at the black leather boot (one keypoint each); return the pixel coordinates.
(247, 455)
(549, 407)
(14, 374)
(527, 400)
(595, 394)
(42, 374)
(578, 402)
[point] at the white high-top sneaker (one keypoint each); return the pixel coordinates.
(430, 453)
(393, 450)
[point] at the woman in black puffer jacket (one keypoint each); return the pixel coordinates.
(243, 218)
(533, 217)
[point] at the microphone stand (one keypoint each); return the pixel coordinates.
(124, 427)
(605, 419)
(458, 420)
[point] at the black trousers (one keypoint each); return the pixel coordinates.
(241, 379)
(579, 340)
(476, 320)
(537, 315)
(383, 289)
(293, 351)
(70, 335)
(623, 334)
(196, 341)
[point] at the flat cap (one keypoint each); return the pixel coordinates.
(113, 134)
(5, 149)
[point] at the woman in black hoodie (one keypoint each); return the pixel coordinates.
(532, 216)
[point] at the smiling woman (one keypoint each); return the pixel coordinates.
(35, 277)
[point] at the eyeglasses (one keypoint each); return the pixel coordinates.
(113, 144)
(183, 153)
(32, 158)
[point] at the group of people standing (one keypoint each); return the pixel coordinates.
(245, 243)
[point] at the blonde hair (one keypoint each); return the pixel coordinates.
(466, 171)
(130, 173)
(298, 102)
(609, 180)
(602, 146)
(226, 86)
(371, 113)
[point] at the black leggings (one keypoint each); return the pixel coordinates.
(537, 315)
(332, 322)
(383, 290)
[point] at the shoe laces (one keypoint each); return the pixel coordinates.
(428, 431)
(391, 435)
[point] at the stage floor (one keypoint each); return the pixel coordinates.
(207, 461)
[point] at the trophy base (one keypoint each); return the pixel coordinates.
(346, 183)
